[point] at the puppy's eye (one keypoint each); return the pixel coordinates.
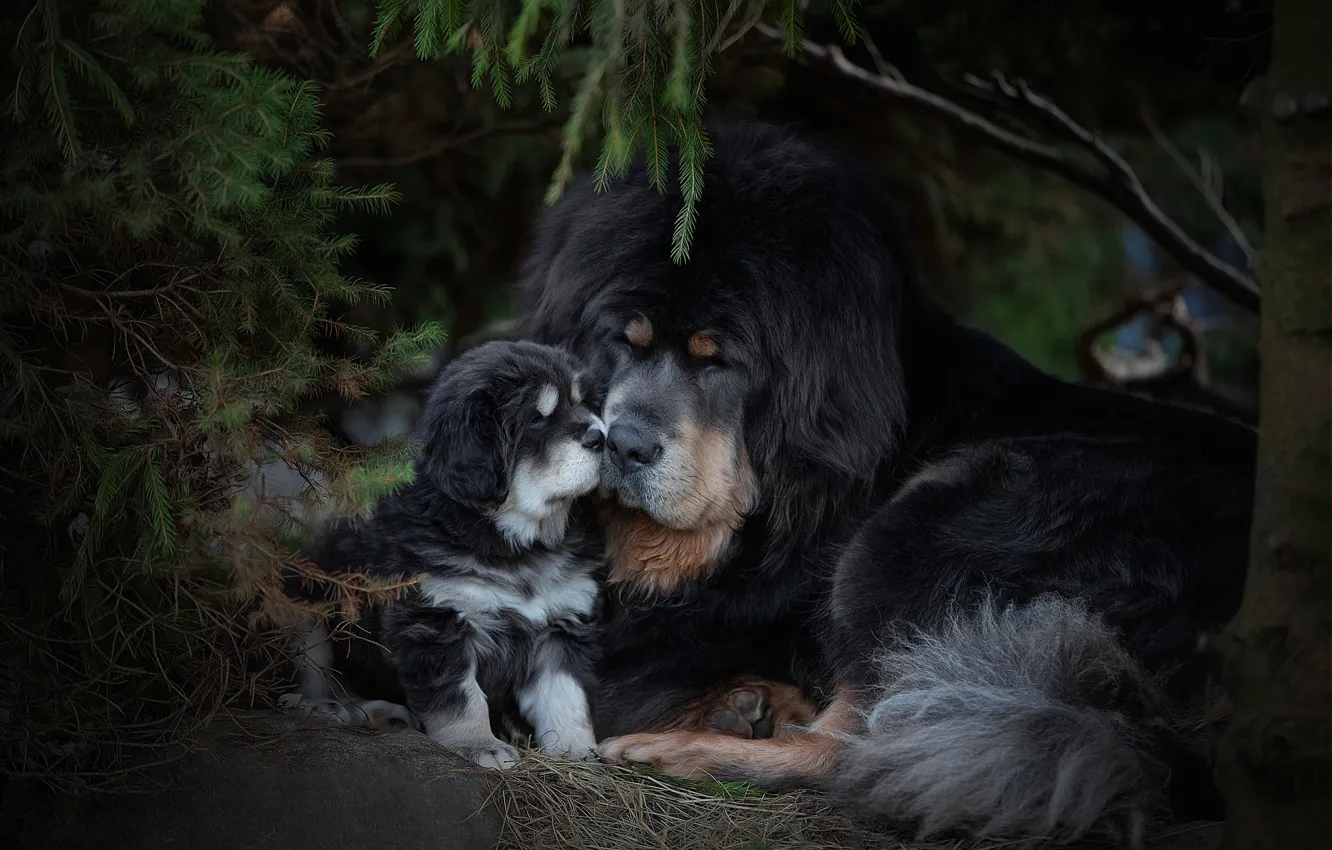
(583, 392)
(548, 398)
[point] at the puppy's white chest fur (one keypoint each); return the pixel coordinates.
(550, 587)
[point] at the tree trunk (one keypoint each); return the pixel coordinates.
(1275, 759)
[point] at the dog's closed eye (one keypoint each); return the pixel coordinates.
(547, 399)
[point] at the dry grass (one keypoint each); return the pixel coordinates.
(555, 804)
(94, 701)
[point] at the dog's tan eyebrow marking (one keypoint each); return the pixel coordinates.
(639, 331)
(547, 399)
(702, 345)
(576, 389)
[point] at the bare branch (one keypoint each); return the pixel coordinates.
(1205, 187)
(447, 143)
(399, 55)
(884, 69)
(720, 30)
(1115, 182)
(752, 16)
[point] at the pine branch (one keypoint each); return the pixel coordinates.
(149, 381)
(644, 82)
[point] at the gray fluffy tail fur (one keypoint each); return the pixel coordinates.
(1011, 722)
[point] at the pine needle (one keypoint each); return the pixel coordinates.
(644, 80)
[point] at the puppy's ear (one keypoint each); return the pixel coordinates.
(464, 449)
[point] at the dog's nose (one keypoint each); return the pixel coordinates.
(630, 448)
(593, 438)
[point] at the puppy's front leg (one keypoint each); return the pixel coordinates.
(554, 696)
(435, 668)
(457, 717)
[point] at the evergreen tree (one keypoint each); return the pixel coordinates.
(1275, 758)
(645, 74)
(169, 273)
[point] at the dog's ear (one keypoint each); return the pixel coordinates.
(824, 427)
(464, 448)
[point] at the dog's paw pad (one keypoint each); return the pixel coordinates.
(749, 702)
(729, 722)
(746, 712)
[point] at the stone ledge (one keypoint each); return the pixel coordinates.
(271, 781)
(274, 783)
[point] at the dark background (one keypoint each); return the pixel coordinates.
(1012, 249)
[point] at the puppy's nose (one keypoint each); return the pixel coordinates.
(593, 438)
(630, 448)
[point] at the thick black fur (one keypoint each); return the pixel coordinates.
(910, 469)
(504, 602)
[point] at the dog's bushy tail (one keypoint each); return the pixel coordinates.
(1016, 722)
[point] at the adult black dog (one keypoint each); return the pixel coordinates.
(992, 581)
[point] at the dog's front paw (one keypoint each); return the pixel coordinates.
(493, 754)
(689, 755)
(577, 744)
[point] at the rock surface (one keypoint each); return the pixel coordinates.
(278, 784)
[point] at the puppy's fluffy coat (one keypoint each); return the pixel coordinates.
(506, 607)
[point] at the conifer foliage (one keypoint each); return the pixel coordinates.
(645, 74)
(169, 272)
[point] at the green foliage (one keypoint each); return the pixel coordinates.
(1040, 263)
(711, 787)
(645, 76)
(458, 226)
(171, 280)
(1043, 259)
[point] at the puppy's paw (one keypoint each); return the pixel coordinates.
(290, 702)
(744, 712)
(328, 709)
(486, 752)
(316, 709)
(576, 744)
(493, 754)
(385, 716)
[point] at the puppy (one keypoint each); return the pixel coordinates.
(506, 609)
